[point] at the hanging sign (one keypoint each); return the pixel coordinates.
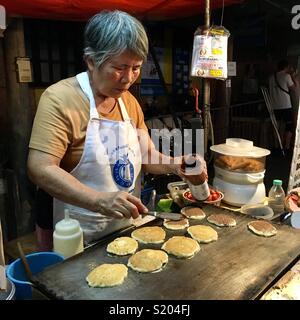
(209, 58)
(24, 69)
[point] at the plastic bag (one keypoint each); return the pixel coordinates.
(209, 58)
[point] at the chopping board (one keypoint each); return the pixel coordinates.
(240, 265)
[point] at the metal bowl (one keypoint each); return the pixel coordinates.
(258, 211)
(187, 201)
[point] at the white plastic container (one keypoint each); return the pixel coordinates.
(68, 237)
(240, 194)
(239, 171)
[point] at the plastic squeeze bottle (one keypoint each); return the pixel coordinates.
(67, 237)
(195, 175)
(276, 197)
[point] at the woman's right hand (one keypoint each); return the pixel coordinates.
(188, 159)
(120, 205)
(44, 171)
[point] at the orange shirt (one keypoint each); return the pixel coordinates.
(62, 117)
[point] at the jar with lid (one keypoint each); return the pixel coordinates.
(194, 172)
(276, 197)
(67, 237)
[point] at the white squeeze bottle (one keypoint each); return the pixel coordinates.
(276, 197)
(67, 237)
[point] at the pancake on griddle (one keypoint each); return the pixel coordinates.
(181, 247)
(262, 228)
(193, 213)
(107, 275)
(221, 220)
(122, 246)
(176, 224)
(203, 233)
(148, 260)
(149, 235)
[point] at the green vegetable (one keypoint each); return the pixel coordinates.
(165, 205)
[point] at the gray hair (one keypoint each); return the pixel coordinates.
(110, 33)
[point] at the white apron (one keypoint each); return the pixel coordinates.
(111, 161)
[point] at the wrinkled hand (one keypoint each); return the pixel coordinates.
(121, 205)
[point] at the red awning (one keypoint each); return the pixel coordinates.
(84, 9)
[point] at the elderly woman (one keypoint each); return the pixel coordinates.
(84, 149)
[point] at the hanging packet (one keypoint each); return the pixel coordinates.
(209, 59)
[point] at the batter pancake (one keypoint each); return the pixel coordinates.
(221, 220)
(149, 235)
(148, 260)
(193, 213)
(181, 247)
(203, 234)
(122, 246)
(262, 228)
(107, 275)
(176, 225)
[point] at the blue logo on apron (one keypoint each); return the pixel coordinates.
(123, 172)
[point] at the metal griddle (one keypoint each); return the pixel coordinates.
(240, 265)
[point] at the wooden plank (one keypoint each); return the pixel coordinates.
(240, 265)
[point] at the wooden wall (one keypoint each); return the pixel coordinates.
(17, 115)
(3, 97)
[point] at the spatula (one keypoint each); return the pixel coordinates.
(165, 215)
